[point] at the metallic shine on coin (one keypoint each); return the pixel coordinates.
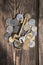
(19, 17)
(31, 22)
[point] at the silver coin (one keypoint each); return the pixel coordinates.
(34, 33)
(34, 28)
(16, 29)
(6, 36)
(31, 44)
(8, 21)
(31, 22)
(15, 44)
(14, 22)
(19, 17)
(9, 29)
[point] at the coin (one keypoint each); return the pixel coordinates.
(34, 28)
(9, 29)
(31, 22)
(19, 17)
(16, 29)
(15, 44)
(14, 22)
(34, 33)
(6, 36)
(8, 21)
(31, 44)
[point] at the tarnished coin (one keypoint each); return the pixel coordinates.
(11, 40)
(19, 17)
(9, 29)
(6, 36)
(31, 44)
(14, 22)
(31, 22)
(8, 21)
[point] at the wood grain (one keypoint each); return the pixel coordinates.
(41, 41)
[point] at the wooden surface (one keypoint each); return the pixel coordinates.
(40, 32)
(41, 41)
(9, 8)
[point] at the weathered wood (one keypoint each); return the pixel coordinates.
(41, 41)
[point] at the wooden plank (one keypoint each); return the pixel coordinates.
(41, 8)
(41, 41)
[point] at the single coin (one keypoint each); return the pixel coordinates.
(14, 22)
(6, 36)
(9, 29)
(31, 44)
(8, 21)
(15, 44)
(34, 28)
(34, 33)
(31, 22)
(19, 17)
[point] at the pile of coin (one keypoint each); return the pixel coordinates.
(29, 37)
(12, 27)
(21, 31)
